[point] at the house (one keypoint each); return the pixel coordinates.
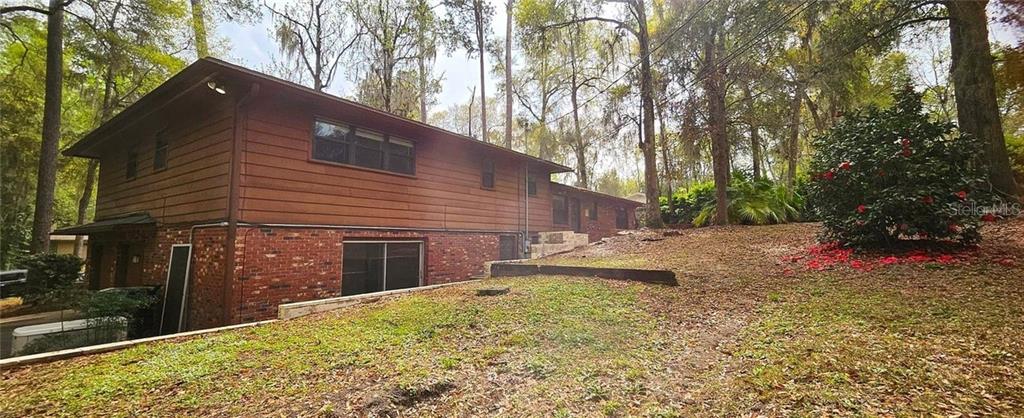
(65, 244)
(240, 191)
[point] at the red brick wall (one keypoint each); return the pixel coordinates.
(283, 265)
(152, 245)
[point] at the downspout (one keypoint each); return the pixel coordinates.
(526, 225)
(235, 173)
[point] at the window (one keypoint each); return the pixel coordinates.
(400, 156)
(364, 148)
(487, 174)
(160, 153)
(592, 211)
(531, 186)
(378, 266)
(621, 218)
(368, 149)
(131, 167)
(559, 210)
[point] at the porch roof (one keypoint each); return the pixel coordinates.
(135, 219)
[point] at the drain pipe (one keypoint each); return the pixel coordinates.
(526, 225)
(237, 143)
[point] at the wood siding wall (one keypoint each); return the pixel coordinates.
(281, 184)
(193, 187)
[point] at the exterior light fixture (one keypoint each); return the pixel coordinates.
(216, 87)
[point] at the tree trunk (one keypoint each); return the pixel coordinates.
(469, 120)
(508, 74)
(421, 63)
(755, 131)
(479, 14)
(46, 181)
(793, 142)
(83, 203)
(106, 110)
(665, 159)
(582, 179)
(651, 188)
(974, 88)
(714, 86)
(199, 28)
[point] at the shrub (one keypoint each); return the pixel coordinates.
(688, 203)
(751, 202)
(885, 175)
(755, 202)
(48, 273)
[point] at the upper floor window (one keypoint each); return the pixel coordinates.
(487, 174)
(531, 185)
(364, 148)
(160, 153)
(592, 212)
(559, 210)
(131, 166)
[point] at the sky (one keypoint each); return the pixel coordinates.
(252, 45)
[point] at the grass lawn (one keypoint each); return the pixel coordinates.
(738, 337)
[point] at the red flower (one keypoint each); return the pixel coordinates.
(1008, 262)
(845, 165)
(907, 152)
(928, 200)
(857, 264)
(889, 260)
(828, 175)
(954, 228)
(904, 227)
(881, 173)
(945, 259)
(988, 217)
(862, 209)
(961, 194)
(905, 142)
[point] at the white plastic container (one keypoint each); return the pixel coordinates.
(70, 334)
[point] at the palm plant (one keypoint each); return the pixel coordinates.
(757, 202)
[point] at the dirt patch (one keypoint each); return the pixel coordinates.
(393, 401)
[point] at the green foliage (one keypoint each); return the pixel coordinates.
(1015, 147)
(751, 202)
(887, 175)
(48, 274)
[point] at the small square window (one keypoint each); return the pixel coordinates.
(160, 154)
(487, 176)
(131, 167)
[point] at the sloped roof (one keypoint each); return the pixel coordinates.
(206, 69)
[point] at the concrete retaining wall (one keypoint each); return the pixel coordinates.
(666, 277)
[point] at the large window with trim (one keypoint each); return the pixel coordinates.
(346, 144)
(376, 266)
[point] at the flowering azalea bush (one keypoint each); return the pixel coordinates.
(883, 176)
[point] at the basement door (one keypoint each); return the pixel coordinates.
(376, 266)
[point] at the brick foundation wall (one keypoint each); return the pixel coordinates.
(283, 265)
